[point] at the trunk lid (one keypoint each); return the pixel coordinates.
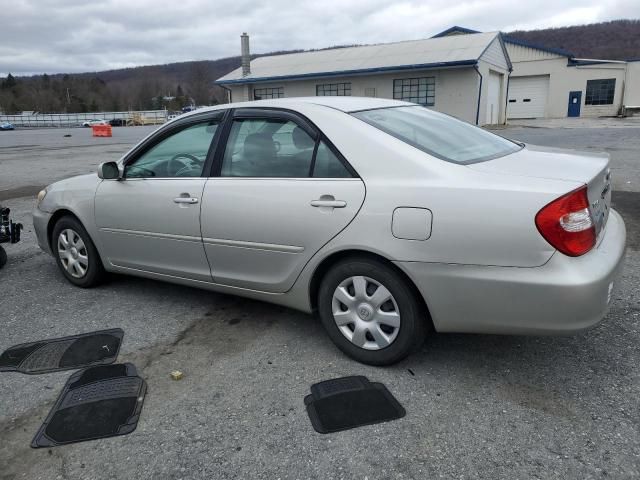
(591, 169)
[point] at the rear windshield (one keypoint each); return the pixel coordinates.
(439, 135)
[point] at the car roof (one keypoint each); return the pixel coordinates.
(344, 104)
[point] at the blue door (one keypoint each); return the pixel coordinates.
(575, 99)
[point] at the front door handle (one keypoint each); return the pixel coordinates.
(185, 199)
(328, 201)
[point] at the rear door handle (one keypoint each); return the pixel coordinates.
(329, 203)
(188, 200)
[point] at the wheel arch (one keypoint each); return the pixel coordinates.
(98, 273)
(325, 265)
(58, 214)
(65, 212)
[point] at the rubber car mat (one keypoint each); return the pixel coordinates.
(349, 402)
(96, 402)
(65, 353)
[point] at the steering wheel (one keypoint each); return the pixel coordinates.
(130, 172)
(176, 166)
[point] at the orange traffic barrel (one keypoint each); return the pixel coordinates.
(101, 130)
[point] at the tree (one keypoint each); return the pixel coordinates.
(158, 102)
(114, 104)
(200, 82)
(144, 97)
(9, 82)
(219, 95)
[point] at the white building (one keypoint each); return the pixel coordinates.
(462, 75)
(553, 83)
(483, 78)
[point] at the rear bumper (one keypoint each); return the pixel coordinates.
(563, 296)
(40, 223)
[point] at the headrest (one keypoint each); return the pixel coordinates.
(261, 140)
(257, 144)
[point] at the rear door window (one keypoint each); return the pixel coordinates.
(278, 148)
(267, 148)
(328, 165)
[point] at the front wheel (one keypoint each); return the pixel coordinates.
(371, 312)
(75, 253)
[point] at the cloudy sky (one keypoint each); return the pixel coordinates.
(53, 36)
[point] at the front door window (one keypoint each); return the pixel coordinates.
(182, 154)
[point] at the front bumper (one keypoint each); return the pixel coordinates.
(40, 224)
(563, 296)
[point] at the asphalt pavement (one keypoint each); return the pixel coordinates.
(478, 406)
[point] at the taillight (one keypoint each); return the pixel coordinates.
(567, 225)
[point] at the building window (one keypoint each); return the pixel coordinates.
(264, 93)
(600, 92)
(370, 92)
(417, 90)
(335, 89)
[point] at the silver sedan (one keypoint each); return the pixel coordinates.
(387, 219)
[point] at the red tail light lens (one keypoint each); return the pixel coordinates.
(567, 225)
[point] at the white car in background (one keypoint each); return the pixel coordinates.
(91, 123)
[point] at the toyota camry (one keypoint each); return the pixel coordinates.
(386, 218)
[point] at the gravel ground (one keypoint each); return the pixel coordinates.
(478, 406)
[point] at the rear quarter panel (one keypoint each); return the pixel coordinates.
(478, 218)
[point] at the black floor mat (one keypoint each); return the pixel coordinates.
(350, 402)
(97, 402)
(66, 353)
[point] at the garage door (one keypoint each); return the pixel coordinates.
(528, 96)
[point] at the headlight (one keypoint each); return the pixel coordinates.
(41, 195)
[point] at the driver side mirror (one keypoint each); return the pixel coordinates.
(109, 171)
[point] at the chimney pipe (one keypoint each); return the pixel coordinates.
(246, 56)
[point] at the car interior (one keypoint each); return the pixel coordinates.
(182, 154)
(267, 148)
(273, 148)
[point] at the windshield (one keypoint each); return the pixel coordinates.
(437, 134)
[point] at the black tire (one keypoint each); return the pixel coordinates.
(413, 316)
(95, 272)
(3, 257)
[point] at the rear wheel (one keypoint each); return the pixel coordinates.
(3, 257)
(371, 312)
(76, 254)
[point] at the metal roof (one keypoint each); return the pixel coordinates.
(456, 30)
(450, 51)
(576, 62)
(525, 43)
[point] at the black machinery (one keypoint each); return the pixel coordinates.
(9, 232)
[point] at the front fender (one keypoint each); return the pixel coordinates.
(75, 196)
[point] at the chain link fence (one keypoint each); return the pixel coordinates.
(57, 120)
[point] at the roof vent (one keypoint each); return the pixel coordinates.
(246, 56)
